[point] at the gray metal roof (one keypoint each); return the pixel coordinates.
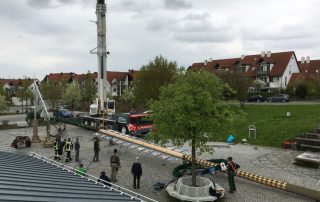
(24, 178)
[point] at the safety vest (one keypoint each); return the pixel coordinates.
(56, 145)
(68, 146)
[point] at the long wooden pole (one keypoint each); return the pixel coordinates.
(243, 174)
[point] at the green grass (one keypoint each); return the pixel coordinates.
(272, 124)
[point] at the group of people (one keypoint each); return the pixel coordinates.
(136, 169)
(67, 146)
(61, 146)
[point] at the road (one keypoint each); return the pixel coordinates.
(284, 103)
(13, 118)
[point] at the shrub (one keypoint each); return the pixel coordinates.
(301, 91)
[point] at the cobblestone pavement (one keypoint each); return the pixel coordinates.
(270, 162)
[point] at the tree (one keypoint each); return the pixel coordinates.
(72, 95)
(301, 91)
(23, 92)
(89, 89)
(152, 77)
(52, 92)
(238, 82)
(192, 110)
(128, 98)
(3, 103)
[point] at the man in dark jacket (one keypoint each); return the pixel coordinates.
(136, 170)
(105, 179)
(77, 149)
(231, 168)
(96, 149)
(62, 144)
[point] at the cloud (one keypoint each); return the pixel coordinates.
(177, 4)
(201, 28)
(46, 4)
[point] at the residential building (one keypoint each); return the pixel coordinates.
(116, 82)
(310, 70)
(271, 70)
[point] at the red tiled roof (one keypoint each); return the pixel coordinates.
(111, 75)
(133, 73)
(311, 67)
(296, 77)
(58, 77)
(16, 82)
(119, 76)
(280, 61)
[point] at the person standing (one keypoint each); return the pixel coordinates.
(136, 170)
(56, 146)
(77, 149)
(115, 165)
(96, 149)
(68, 148)
(105, 178)
(61, 147)
(231, 168)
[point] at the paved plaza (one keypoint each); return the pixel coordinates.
(270, 162)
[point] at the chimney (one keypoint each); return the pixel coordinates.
(303, 60)
(308, 59)
(205, 62)
(263, 53)
(242, 57)
(210, 60)
(268, 54)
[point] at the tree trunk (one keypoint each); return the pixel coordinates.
(194, 182)
(241, 104)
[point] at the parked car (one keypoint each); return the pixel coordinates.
(63, 114)
(255, 98)
(279, 98)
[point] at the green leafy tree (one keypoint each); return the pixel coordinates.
(24, 92)
(301, 91)
(128, 98)
(89, 89)
(2, 91)
(72, 95)
(239, 82)
(52, 92)
(152, 77)
(3, 103)
(192, 110)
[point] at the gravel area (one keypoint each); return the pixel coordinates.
(270, 162)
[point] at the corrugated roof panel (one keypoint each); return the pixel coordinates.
(24, 178)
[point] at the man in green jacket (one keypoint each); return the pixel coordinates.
(81, 170)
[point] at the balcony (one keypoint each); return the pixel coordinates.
(260, 73)
(274, 84)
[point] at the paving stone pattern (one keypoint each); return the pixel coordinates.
(270, 162)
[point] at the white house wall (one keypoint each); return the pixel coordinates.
(293, 67)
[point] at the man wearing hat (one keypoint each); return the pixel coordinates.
(136, 170)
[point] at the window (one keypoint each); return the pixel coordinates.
(285, 81)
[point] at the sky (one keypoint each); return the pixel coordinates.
(38, 37)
